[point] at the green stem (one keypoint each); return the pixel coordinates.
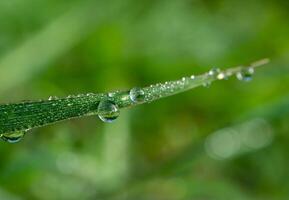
(27, 115)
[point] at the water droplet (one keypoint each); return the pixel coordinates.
(52, 98)
(245, 74)
(193, 77)
(137, 95)
(207, 84)
(214, 72)
(221, 76)
(13, 137)
(108, 111)
(111, 94)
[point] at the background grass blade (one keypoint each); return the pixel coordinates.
(37, 52)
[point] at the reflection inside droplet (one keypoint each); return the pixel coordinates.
(13, 137)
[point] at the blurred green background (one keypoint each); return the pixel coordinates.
(229, 141)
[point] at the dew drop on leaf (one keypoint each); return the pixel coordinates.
(222, 76)
(52, 98)
(207, 84)
(108, 111)
(137, 95)
(111, 94)
(245, 74)
(214, 72)
(13, 137)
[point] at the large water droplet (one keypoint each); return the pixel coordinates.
(137, 95)
(245, 74)
(13, 137)
(108, 111)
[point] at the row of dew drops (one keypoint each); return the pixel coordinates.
(108, 110)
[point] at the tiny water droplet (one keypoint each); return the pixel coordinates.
(137, 95)
(214, 72)
(207, 84)
(221, 76)
(108, 111)
(111, 94)
(245, 74)
(52, 98)
(193, 77)
(13, 137)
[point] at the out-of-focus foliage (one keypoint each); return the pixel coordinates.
(229, 141)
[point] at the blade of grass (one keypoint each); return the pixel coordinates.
(27, 115)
